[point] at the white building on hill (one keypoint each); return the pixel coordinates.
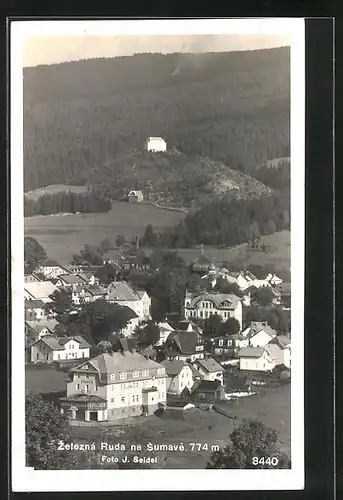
(156, 144)
(206, 304)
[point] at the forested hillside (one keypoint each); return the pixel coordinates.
(231, 107)
(226, 223)
(173, 178)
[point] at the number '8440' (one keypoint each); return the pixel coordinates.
(273, 461)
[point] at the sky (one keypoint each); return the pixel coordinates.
(57, 49)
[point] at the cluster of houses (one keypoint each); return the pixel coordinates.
(182, 363)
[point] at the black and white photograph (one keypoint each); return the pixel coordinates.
(157, 186)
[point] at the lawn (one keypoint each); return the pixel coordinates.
(64, 235)
(54, 188)
(272, 407)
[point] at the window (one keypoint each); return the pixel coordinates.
(112, 400)
(122, 376)
(77, 386)
(221, 342)
(86, 388)
(113, 377)
(123, 399)
(133, 398)
(145, 373)
(183, 375)
(137, 398)
(86, 376)
(135, 374)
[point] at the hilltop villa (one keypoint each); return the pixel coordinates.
(156, 144)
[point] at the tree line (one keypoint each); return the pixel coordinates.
(231, 107)
(225, 223)
(67, 202)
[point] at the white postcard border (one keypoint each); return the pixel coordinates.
(27, 479)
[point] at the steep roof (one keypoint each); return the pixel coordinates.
(122, 291)
(251, 352)
(282, 340)
(208, 385)
(260, 326)
(209, 365)
(275, 352)
(218, 299)
(57, 344)
(71, 279)
(117, 362)
(40, 289)
(34, 304)
(185, 341)
(173, 367)
(38, 325)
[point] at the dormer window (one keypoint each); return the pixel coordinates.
(122, 376)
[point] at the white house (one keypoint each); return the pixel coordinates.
(123, 294)
(156, 144)
(135, 197)
(35, 310)
(51, 269)
(209, 369)
(165, 329)
(280, 350)
(206, 304)
(273, 279)
(255, 359)
(179, 376)
(259, 333)
(41, 328)
(39, 290)
(114, 386)
(49, 348)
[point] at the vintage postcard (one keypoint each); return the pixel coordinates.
(157, 209)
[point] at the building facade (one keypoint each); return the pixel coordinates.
(179, 376)
(156, 144)
(123, 294)
(49, 349)
(135, 197)
(115, 386)
(207, 304)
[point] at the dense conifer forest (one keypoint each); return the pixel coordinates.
(69, 202)
(226, 223)
(231, 107)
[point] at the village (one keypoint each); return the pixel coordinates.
(204, 354)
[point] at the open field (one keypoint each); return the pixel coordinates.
(271, 406)
(65, 235)
(54, 188)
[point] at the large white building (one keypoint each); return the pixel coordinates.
(156, 144)
(114, 386)
(206, 304)
(123, 294)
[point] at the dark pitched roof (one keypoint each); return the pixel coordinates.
(209, 365)
(208, 385)
(78, 398)
(251, 352)
(185, 341)
(174, 367)
(34, 304)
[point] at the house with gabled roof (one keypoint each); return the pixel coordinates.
(179, 376)
(279, 349)
(259, 333)
(209, 369)
(50, 348)
(114, 386)
(121, 293)
(40, 290)
(255, 359)
(206, 304)
(184, 346)
(51, 269)
(69, 280)
(35, 310)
